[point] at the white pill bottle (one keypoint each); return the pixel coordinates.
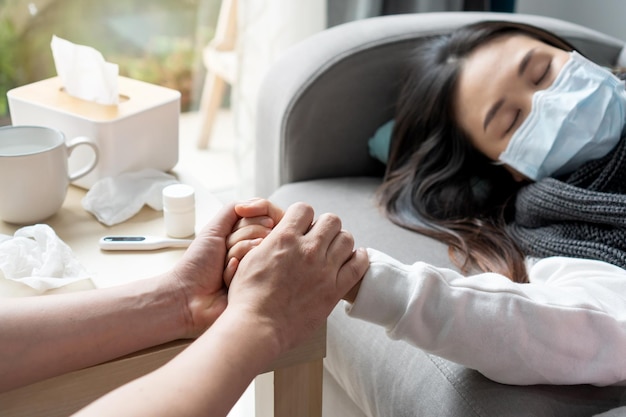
(179, 210)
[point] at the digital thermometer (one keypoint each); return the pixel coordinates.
(141, 243)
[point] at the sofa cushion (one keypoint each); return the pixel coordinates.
(352, 198)
(391, 378)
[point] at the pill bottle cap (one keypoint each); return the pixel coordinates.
(178, 197)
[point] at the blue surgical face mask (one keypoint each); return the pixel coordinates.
(580, 117)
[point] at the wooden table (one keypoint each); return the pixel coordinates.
(297, 381)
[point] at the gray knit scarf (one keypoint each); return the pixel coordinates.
(581, 216)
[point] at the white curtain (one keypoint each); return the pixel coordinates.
(265, 29)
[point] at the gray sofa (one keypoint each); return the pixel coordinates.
(318, 107)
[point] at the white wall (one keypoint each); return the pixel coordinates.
(608, 16)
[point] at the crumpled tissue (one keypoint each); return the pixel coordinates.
(116, 199)
(84, 73)
(35, 260)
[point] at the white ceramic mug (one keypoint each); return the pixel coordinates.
(34, 172)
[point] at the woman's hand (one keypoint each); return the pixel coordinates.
(258, 218)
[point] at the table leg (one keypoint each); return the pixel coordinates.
(291, 391)
(298, 390)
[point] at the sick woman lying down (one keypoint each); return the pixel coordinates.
(515, 159)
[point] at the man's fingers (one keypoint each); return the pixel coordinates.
(340, 248)
(326, 228)
(222, 223)
(298, 216)
(352, 271)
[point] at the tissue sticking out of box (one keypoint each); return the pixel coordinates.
(84, 72)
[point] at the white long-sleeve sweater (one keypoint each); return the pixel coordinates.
(567, 326)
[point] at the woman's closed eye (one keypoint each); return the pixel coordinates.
(512, 122)
(541, 72)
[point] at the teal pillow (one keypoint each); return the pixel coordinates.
(380, 143)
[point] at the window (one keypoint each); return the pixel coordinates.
(157, 41)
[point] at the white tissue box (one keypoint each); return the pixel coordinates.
(140, 132)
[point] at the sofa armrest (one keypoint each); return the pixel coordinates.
(327, 95)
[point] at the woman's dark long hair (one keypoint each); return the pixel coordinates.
(436, 183)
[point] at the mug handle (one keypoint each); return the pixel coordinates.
(83, 140)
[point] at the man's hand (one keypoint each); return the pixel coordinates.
(293, 278)
(199, 272)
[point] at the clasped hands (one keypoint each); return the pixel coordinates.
(286, 269)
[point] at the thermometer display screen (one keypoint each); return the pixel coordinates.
(124, 239)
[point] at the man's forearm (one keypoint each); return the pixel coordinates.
(211, 374)
(45, 336)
